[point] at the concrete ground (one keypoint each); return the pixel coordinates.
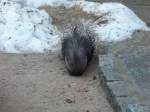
(40, 83)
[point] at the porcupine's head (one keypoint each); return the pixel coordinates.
(77, 51)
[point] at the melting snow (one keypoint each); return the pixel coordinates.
(24, 28)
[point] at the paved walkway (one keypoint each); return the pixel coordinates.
(125, 74)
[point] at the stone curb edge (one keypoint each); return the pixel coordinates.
(115, 87)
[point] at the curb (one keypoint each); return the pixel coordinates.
(116, 89)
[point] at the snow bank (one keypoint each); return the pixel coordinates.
(24, 28)
(122, 21)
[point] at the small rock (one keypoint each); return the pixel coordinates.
(148, 24)
(69, 86)
(82, 90)
(25, 55)
(87, 111)
(94, 77)
(68, 100)
(50, 71)
(138, 31)
(102, 22)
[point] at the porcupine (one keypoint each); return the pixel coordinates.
(78, 46)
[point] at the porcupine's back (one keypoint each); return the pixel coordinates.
(77, 50)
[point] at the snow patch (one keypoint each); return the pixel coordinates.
(24, 28)
(122, 22)
(38, 3)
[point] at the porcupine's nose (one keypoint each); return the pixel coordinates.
(76, 66)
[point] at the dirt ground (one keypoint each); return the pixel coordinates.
(40, 83)
(62, 16)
